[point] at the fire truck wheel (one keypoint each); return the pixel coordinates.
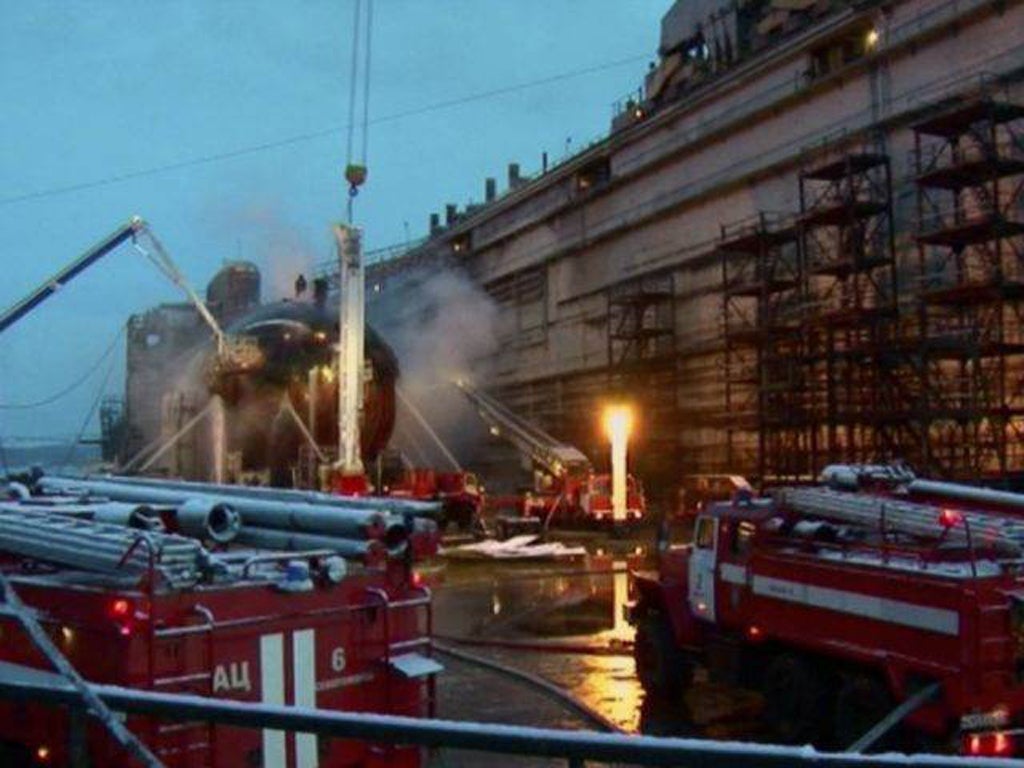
(861, 703)
(662, 668)
(793, 698)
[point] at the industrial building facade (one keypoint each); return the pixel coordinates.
(802, 242)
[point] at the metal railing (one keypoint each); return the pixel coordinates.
(575, 747)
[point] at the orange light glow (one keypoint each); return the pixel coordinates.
(43, 754)
(618, 422)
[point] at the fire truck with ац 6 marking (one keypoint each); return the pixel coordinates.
(343, 626)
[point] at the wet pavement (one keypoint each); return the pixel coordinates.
(564, 623)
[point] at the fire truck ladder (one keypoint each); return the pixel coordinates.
(543, 449)
(922, 520)
(232, 352)
(100, 547)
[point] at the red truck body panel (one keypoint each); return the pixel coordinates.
(911, 614)
(248, 640)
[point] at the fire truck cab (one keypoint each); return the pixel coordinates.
(837, 623)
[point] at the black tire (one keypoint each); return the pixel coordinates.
(794, 698)
(663, 669)
(862, 701)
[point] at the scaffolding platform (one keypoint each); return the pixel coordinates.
(974, 293)
(846, 166)
(953, 122)
(974, 230)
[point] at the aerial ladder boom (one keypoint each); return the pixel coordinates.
(125, 232)
(163, 261)
(555, 457)
(231, 352)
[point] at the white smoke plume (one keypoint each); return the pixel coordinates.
(277, 246)
(441, 326)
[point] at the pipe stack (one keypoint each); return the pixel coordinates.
(384, 504)
(272, 519)
(99, 547)
(140, 516)
(968, 493)
(923, 520)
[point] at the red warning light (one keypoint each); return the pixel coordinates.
(119, 608)
(949, 517)
(993, 744)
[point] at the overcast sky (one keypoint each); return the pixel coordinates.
(94, 91)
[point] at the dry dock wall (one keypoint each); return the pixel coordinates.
(604, 270)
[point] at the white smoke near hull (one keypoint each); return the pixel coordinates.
(442, 327)
(277, 246)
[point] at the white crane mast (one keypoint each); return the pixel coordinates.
(351, 332)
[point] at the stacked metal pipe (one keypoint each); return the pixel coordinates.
(922, 520)
(220, 514)
(967, 493)
(40, 534)
(140, 516)
(379, 503)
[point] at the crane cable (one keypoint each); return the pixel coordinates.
(355, 169)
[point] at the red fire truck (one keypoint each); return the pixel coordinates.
(840, 605)
(303, 628)
(566, 487)
(460, 493)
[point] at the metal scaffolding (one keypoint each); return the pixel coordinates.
(642, 365)
(768, 421)
(813, 359)
(969, 168)
(849, 316)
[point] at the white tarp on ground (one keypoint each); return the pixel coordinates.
(515, 548)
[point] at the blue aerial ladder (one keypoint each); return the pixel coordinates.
(127, 231)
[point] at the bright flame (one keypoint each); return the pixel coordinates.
(618, 422)
(871, 39)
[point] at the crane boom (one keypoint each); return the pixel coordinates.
(232, 353)
(163, 261)
(125, 232)
(555, 457)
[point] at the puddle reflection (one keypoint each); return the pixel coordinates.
(567, 624)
